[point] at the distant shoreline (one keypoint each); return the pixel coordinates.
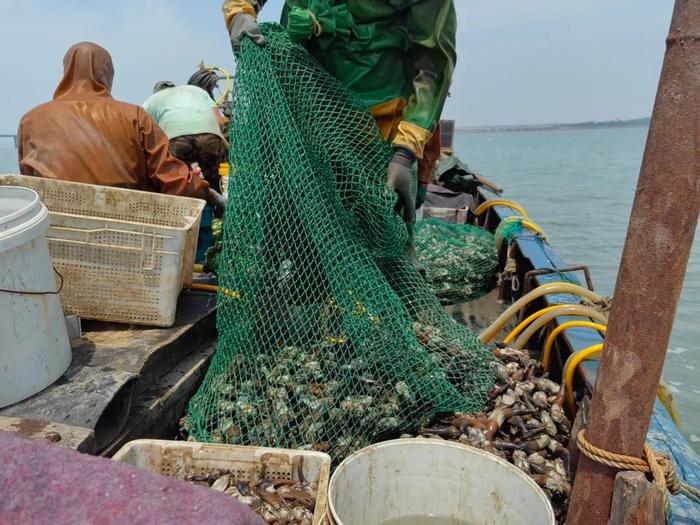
(609, 124)
(549, 128)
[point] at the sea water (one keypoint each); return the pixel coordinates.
(579, 186)
(8, 157)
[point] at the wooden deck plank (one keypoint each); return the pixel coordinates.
(67, 436)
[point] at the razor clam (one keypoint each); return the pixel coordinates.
(280, 501)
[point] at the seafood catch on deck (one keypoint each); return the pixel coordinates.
(275, 501)
(525, 424)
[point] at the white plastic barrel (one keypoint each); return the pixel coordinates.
(432, 482)
(34, 346)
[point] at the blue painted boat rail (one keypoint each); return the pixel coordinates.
(532, 252)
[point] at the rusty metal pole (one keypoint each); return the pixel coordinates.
(654, 261)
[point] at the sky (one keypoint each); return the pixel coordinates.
(519, 62)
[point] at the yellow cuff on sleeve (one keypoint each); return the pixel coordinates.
(412, 137)
(232, 7)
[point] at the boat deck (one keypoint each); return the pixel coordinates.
(124, 382)
(131, 382)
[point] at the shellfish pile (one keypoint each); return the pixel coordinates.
(460, 260)
(281, 501)
(323, 398)
(524, 424)
(337, 398)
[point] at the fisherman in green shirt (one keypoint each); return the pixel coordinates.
(192, 121)
(398, 56)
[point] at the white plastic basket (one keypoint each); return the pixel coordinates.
(174, 458)
(124, 254)
(449, 215)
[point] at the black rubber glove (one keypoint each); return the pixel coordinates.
(461, 182)
(244, 24)
(217, 200)
(399, 177)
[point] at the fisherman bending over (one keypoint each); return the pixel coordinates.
(84, 135)
(397, 56)
(190, 118)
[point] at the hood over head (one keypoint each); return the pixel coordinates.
(87, 72)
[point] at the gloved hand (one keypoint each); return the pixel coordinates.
(244, 24)
(399, 177)
(217, 200)
(461, 182)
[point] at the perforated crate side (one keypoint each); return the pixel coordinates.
(124, 254)
(105, 202)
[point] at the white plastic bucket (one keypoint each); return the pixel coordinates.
(34, 346)
(432, 482)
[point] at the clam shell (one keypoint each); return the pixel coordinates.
(222, 483)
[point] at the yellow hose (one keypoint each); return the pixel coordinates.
(204, 288)
(570, 367)
(484, 206)
(663, 391)
(559, 329)
(549, 288)
(573, 309)
(524, 324)
(227, 89)
(525, 222)
(216, 289)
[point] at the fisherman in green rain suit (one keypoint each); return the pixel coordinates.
(396, 55)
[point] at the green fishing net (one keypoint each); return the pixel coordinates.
(509, 230)
(328, 337)
(460, 259)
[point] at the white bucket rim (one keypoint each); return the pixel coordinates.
(37, 219)
(441, 443)
(21, 211)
